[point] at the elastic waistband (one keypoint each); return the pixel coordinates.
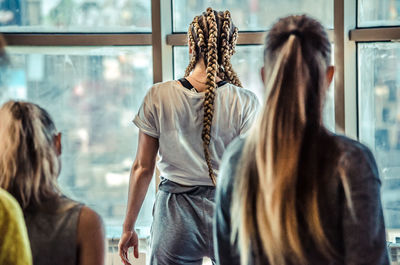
(173, 187)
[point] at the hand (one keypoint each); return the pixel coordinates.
(128, 239)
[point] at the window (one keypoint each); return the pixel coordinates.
(378, 101)
(378, 13)
(75, 16)
(89, 87)
(250, 76)
(252, 15)
(92, 93)
(93, 89)
(379, 92)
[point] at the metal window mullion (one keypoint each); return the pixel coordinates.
(161, 11)
(375, 34)
(161, 19)
(245, 38)
(346, 112)
(77, 39)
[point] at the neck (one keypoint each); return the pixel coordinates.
(200, 74)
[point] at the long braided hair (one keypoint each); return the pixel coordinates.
(212, 37)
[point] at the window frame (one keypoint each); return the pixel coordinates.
(346, 35)
(373, 34)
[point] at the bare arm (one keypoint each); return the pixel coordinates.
(141, 175)
(90, 238)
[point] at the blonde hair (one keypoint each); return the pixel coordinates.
(283, 158)
(212, 38)
(29, 164)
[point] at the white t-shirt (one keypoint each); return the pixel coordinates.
(174, 115)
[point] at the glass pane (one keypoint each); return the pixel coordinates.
(373, 13)
(252, 14)
(247, 62)
(75, 15)
(93, 95)
(379, 121)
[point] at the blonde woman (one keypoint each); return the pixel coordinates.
(14, 243)
(292, 192)
(190, 122)
(61, 231)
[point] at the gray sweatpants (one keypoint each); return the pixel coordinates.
(181, 232)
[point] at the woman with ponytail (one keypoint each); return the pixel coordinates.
(293, 192)
(189, 122)
(61, 231)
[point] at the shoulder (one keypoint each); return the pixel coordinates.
(161, 91)
(239, 92)
(90, 237)
(89, 219)
(11, 216)
(90, 225)
(9, 205)
(162, 87)
(14, 246)
(243, 99)
(7, 201)
(357, 157)
(353, 149)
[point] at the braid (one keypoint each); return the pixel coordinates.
(197, 48)
(192, 45)
(215, 46)
(224, 46)
(235, 78)
(228, 49)
(212, 68)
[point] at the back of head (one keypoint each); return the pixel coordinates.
(29, 164)
(297, 56)
(212, 38)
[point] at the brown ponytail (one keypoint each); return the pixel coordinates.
(270, 176)
(216, 48)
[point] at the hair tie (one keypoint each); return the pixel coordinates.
(296, 32)
(17, 111)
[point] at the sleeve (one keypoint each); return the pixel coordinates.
(14, 242)
(226, 253)
(364, 228)
(146, 119)
(250, 113)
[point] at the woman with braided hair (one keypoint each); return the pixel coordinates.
(189, 122)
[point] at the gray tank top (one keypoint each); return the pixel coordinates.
(53, 232)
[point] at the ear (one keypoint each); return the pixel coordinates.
(190, 50)
(330, 73)
(57, 144)
(262, 73)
